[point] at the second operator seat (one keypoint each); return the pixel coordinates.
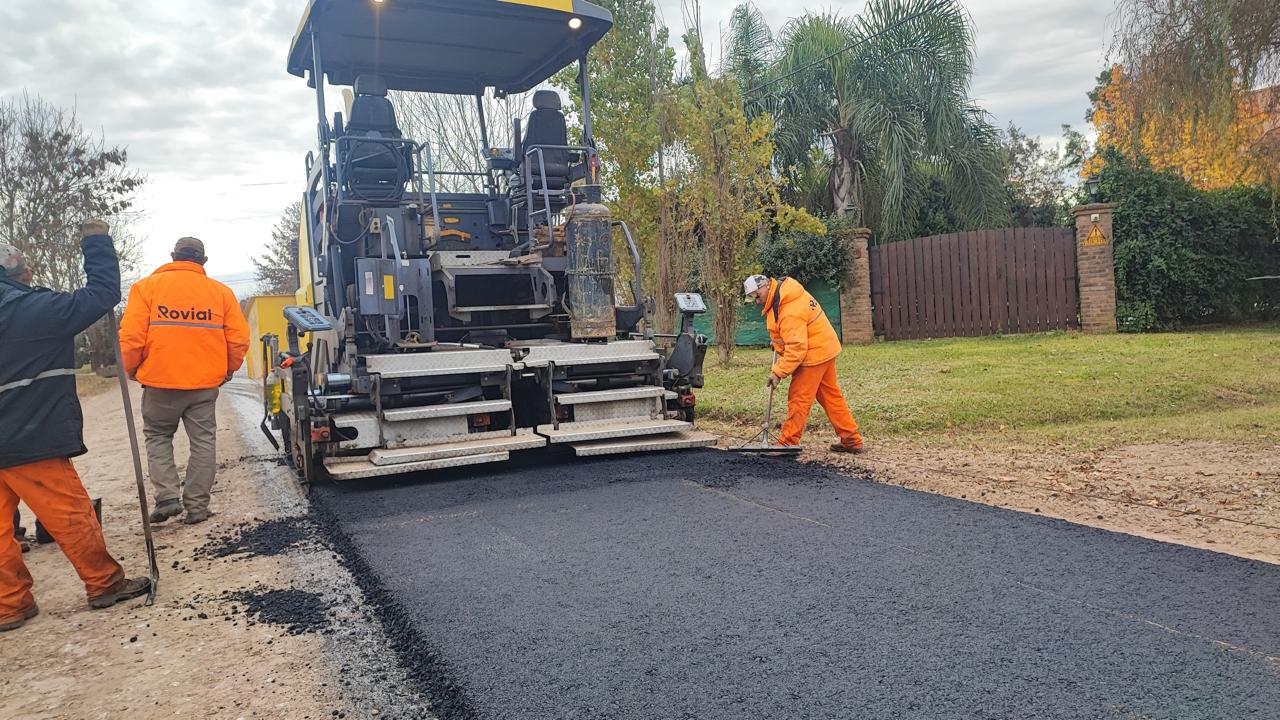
(375, 171)
(547, 128)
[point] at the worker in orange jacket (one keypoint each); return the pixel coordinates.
(806, 347)
(183, 337)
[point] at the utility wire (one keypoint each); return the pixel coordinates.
(850, 46)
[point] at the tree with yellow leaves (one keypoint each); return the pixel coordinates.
(1209, 154)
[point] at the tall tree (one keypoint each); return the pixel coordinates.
(451, 125)
(1173, 137)
(1197, 59)
(750, 51)
(1036, 177)
(277, 268)
(53, 175)
(729, 188)
(886, 93)
(631, 72)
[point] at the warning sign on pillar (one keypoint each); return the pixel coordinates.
(1095, 237)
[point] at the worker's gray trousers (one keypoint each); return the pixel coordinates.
(161, 412)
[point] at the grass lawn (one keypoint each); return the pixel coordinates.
(1029, 390)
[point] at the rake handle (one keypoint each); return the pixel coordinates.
(154, 568)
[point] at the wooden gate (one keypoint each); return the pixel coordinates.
(984, 282)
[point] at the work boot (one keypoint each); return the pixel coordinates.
(121, 591)
(195, 517)
(166, 509)
(22, 620)
(852, 450)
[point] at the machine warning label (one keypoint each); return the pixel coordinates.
(368, 283)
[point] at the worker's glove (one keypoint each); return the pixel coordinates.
(94, 227)
(773, 381)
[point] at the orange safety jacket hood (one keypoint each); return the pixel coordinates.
(182, 330)
(800, 331)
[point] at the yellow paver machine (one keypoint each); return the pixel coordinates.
(436, 329)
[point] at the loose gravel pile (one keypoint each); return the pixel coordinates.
(260, 539)
(296, 611)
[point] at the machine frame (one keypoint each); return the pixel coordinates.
(442, 329)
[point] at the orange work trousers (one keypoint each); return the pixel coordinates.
(52, 489)
(818, 382)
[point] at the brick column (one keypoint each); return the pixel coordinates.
(1095, 267)
(855, 289)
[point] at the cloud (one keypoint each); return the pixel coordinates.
(198, 92)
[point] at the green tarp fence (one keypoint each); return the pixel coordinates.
(751, 330)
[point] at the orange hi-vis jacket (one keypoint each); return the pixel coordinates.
(181, 330)
(801, 332)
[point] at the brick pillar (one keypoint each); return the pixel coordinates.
(1095, 267)
(855, 289)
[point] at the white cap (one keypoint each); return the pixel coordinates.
(754, 283)
(12, 263)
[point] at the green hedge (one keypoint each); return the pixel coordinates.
(1182, 255)
(751, 330)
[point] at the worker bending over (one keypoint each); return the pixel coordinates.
(41, 425)
(806, 347)
(183, 337)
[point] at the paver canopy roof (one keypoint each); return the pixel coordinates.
(447, 46)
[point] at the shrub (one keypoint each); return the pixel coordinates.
(1182, 255)
(806, 257)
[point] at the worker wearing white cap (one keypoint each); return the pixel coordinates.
(806, 345)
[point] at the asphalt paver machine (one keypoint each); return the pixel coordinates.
(437, 329)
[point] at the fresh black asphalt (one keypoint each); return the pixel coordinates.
(712, 586)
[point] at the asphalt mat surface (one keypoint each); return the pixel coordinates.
(708, 585)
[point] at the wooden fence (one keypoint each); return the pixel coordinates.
(1014, 280)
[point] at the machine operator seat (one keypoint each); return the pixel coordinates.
(375, 171)
(547, 127)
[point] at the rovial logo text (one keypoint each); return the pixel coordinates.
(191, 314)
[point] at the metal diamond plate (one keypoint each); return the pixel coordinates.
(399, 434)
(583, 354)
(574, 432)
(345, 469)
(640, 409)
(507, 443)
(579, 398)
(440, 362)
(439, 411)
(675, 441)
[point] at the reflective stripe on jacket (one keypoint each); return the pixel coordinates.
(801, 332)
(40, 415)
(182, 330)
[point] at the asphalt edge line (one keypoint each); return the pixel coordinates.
(421, 662)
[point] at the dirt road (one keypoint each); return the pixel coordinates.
(217, 644)
(683, 586)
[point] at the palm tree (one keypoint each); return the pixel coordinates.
(884, 96)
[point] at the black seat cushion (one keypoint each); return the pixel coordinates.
(371, 110)
(547, 127)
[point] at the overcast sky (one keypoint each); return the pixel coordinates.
(197, 91)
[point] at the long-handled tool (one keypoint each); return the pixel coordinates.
(764, 441)
(137, 458)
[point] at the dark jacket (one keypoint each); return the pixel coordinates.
(40, 415)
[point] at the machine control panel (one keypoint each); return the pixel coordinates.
(690, 303)
(306, 319)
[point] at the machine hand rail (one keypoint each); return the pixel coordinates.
(542, 174)
(636, 293)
